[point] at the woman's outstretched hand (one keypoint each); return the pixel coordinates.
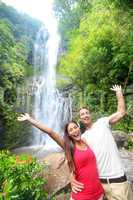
(23, 117)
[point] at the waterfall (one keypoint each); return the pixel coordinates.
(50, 107)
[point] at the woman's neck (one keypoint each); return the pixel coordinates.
(80, 145)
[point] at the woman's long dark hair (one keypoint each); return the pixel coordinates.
(69, 148)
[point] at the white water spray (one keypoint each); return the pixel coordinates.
(50, 107)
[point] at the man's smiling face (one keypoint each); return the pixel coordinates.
(85, 117)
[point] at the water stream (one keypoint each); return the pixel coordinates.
(50, 107)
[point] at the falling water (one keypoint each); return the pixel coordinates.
(50, 107)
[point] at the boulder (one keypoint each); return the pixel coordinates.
(56, 172)
(127, 160)
(121, 138)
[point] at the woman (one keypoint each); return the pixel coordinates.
(81, 159)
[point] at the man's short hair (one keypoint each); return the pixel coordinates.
(84, 107)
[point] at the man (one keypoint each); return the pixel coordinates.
(99, 137)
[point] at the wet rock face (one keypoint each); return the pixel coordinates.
(120, 138)
(127, 160)
(56, 173)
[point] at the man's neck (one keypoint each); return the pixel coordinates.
(88, 126)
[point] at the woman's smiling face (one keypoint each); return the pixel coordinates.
(74, 131)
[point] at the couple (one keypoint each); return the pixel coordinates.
(92, 153)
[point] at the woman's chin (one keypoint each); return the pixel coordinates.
(77, 139)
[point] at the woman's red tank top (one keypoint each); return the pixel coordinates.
(87, 173)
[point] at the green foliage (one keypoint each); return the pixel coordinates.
(20, 177)
(17, 35)
(11, 74)
(100, 54)
(10, 135)
(6, 41)
(130, 145)
(22, 24)
(11, 64)
(69, 13)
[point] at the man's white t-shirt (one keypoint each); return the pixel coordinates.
(99, 138)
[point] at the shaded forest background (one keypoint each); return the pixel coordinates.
(17, 35)
(96, 52)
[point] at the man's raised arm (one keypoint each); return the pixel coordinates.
(121, 110)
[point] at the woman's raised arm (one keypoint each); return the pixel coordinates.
(55, 136)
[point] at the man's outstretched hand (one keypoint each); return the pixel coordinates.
(116, 88)
(121, 110)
